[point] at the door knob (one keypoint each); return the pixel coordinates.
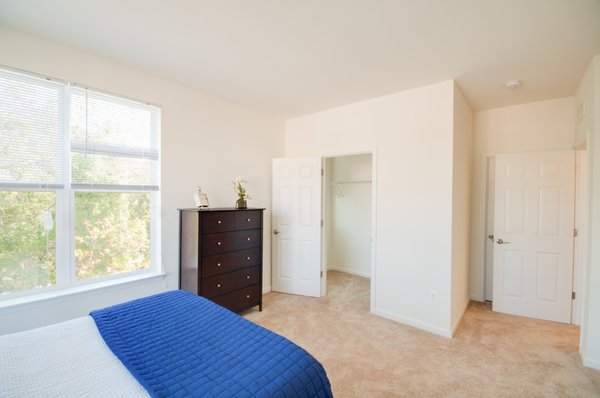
(275, 231)
(501, 242)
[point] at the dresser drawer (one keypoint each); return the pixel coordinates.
(232, 261)
(227, 241)
(218, 222)
(248, 219)
(240, 299)
(225, 283)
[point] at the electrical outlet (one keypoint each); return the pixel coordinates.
(433, 295)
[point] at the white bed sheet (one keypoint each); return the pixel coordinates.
(68, 359)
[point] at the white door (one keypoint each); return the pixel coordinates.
(296, 235)
(533, 233)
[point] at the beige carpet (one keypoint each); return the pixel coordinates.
(492, 355)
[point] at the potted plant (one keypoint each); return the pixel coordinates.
(240, 190)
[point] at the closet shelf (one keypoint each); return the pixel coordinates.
(350, 182)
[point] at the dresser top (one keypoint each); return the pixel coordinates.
(208, 209)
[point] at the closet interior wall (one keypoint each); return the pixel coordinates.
(348, 225)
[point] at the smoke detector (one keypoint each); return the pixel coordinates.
(512, 84)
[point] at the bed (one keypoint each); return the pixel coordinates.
(173, 344)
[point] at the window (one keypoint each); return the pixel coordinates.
(79, 185)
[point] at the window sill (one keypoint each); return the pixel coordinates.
(77, 291)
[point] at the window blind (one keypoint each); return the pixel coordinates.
(31, 144)
(114, 142)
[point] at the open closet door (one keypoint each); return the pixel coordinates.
(296, 235)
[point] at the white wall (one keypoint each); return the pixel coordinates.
(535, 126)
(461, 205)
(413, 133)
(349, 229)
(205, 140)
(588, 125)
(585, 102)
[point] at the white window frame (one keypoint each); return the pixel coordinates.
(64, 223)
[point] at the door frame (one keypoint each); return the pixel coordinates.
(372, 150)
(488, 223)
(580, 242)
(579, 283)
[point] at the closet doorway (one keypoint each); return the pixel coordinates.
(348, 203)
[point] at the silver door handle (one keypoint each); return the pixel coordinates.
(275, 231)
(501, 242)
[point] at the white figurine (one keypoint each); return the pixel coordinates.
(200, 198)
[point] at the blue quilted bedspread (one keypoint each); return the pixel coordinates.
(177, 344)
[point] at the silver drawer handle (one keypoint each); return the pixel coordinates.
(248, 258)
(248, 239)
(219, 222)
(219, 243)
(247, 296)
(249, 219)
(247, 276)
(218, 285)
(218, 264)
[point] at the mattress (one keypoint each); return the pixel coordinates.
(69, 359)
(174, 344)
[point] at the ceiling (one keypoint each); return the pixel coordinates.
(294, 57)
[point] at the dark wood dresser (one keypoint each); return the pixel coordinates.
(220, 255)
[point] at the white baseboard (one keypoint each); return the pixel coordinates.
(349, 271)
(413, 323)
(589, 363)
(266, 289)
(455, 326)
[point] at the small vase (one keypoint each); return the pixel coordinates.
(241, 204)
